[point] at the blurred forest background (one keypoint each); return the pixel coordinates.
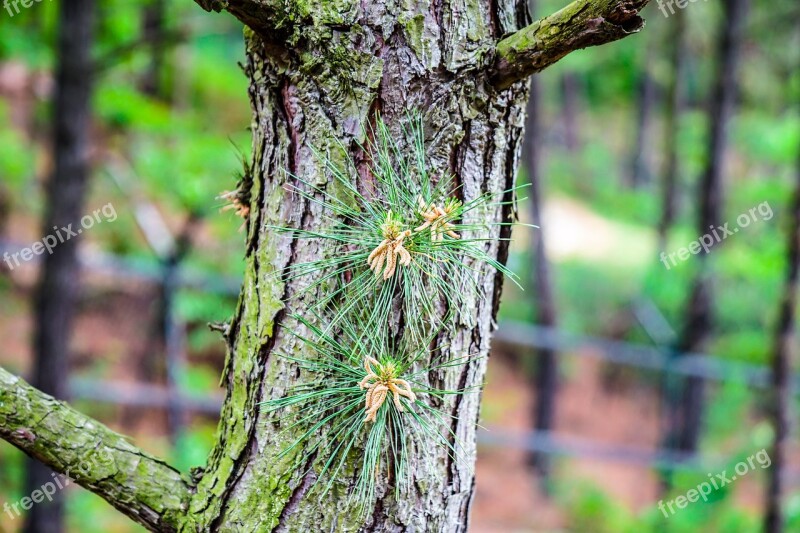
(615, 382)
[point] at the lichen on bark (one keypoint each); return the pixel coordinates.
(136, 483)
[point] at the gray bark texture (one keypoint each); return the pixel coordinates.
(320, 74)
(307, 100)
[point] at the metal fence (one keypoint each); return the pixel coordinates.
(517, 336)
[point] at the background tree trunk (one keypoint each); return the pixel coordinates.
(66, 191)
(669, 202)
(640, 171)
(5, 210)
(546, 381)
(571, 92)
(317, 99)
(780, 400)
(154, 34)
(699, 316)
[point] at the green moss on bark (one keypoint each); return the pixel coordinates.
(581, 24)
(139, 485)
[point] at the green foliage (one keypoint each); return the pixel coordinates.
(772, 140)
(445, 257)
(12, 473)
(193, 446)
(122, 106)
(203, 306)
(16, 37)
(729, 405)
(104, 519)
(199, 160)
(424, 245)
(331, 406)
(17, 157)
(593, 509)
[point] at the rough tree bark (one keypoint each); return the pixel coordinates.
(66, 192)
(319, 72)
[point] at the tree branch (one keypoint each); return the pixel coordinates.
(144, 488)
(581, 24)
(260, 15)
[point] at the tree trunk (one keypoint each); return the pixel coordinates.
(5, 210)
(780, 395)
(66, 192)
(669, 202)
(318, 75)
(570, 106)
(472, 133)
(317, 99)
(640, 172)
(155, 36)
(699, 319)
(546, 362)
(172, 331)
